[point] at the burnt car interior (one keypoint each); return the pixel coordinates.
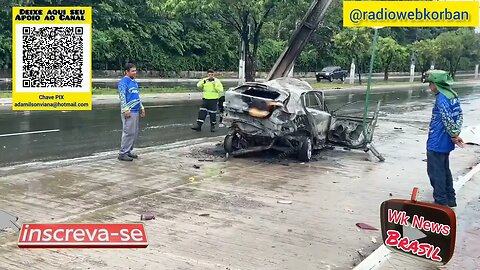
(260, 101)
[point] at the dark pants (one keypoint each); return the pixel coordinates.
(221, 100)
(438, 169)
(208, 106)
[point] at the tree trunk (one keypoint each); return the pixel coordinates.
(387, 67)
(250, 68)
(279, 29)
(455, 67)
(452, 72)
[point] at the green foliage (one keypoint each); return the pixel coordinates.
(355, 43)
(268, 53)
(176, 35)
(426, 52)
(458, 46)
(389, 54)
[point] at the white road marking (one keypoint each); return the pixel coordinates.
(29, 132)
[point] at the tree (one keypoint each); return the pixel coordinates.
(390, 51)
(426, 53)
(451, 49)
(268, 53)
(471, 44)
(322, 39)
(246, 17)
(354, 43)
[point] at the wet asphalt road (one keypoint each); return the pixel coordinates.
(76, 134)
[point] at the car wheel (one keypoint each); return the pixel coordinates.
(305, 152)
(343, 78)
(330, 79)
(318, 79)
(228, 144)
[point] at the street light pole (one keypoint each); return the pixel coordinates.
(369, 82)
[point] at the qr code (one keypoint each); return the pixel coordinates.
(52, 56)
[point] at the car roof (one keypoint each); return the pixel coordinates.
(331, 67)
(284, 85)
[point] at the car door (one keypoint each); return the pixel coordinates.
(348, 130)
(315, 108)
(337, 73)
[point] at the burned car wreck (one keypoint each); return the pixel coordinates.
(287, 115)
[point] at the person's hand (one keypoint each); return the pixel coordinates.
(458, 141)
(142, 113)
(127, 114)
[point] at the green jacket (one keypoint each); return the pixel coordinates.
(211, 90)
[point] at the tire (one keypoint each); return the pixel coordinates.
(305, 152)
(228, 144)
(318, 79)
(330, 79)
(343, 78)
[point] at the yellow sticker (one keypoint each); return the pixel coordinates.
(52, 58)
(410, 14)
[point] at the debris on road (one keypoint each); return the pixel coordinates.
(471, 135)
(196, 166)
(204, 215)
(290, 230)
(203, 160)
(397, 128)
(360, 252)
(349, 210)
(364, 226)
(284, 202)
(147, 217)
(373, 239)
(8, 221)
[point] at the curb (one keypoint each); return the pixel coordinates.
(6, 103)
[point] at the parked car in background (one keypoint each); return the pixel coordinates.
(331, 73)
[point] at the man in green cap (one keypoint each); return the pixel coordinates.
(445, 128)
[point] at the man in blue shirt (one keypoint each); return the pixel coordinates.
(444, 131)
(132, 109)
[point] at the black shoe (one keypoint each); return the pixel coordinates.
(132, 155)
(452, 204)
(197, 128)
(125, 158)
